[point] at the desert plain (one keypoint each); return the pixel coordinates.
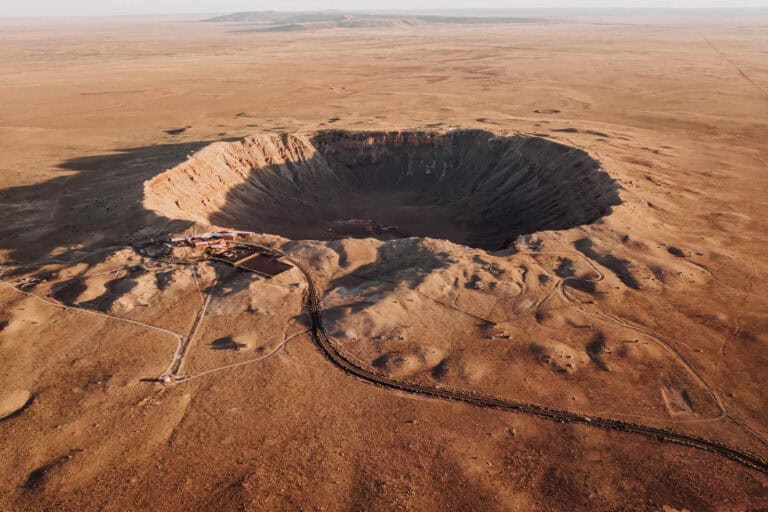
(561, 220)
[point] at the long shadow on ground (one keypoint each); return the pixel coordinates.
(97, 206)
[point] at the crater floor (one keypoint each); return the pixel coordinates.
(468, 186)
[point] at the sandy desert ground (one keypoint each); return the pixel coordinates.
(539, 247)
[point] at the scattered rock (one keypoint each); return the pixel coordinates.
(227, 343)
(674, 251)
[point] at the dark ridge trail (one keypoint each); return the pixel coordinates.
(324, 343)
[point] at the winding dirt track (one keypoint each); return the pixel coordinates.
(324, 342)
(560, 286)
(312, 303)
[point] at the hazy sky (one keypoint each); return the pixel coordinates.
(107, 7)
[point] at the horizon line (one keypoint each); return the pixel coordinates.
(376, 11)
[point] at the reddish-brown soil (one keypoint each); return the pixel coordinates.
(568, 214)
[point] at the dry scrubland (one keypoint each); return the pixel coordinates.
(575, 219)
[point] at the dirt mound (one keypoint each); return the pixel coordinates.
(13, 402)
(469, 187)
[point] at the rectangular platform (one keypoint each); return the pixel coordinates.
(265, 265)
(252, 259)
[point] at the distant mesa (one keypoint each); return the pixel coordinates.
(467, 186)
(275, 21)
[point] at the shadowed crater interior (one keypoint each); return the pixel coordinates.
(468, 186)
